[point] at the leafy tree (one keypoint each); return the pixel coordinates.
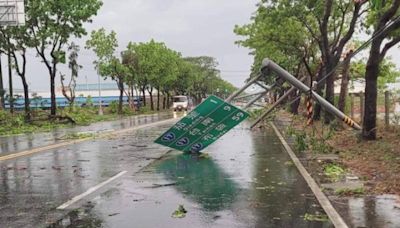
(388, 73)
(104, 45)
(287, 31)
(385, 23)
(333, 24)
(139, 50)
(205, 76)
(69, 91)
(21, 41)
(156, 67)
(130, 61)
(117, 72)
(53, 24)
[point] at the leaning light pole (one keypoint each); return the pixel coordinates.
(268, 66)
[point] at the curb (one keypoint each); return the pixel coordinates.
(333, 215)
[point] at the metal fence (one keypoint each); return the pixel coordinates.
(388, 107)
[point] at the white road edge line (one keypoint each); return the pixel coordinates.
(333, 215)
(90, 191)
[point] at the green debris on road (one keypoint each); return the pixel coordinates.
(334, 172)
(180, 212)
(316, 217)
(78, 135)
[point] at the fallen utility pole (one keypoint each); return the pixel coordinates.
(269, 65)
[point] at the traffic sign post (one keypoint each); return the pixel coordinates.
(203, 126)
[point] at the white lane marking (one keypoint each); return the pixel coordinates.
(333, 215)
(90, 191)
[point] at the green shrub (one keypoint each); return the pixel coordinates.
(113, 107)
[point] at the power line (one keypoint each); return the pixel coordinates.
(356, 52)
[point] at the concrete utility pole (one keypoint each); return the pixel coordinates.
(271, 66)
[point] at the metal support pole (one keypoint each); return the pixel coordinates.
(237, 93)
(265, 114)
(260, 95)
(249, 95)
(263, 86)
(268, 64)
(255, 99)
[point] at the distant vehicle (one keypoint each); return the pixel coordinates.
(180, 103)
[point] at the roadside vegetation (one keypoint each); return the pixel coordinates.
(376, 163)
(13, 124)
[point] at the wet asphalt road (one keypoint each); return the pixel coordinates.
(245, 181)
(31, 188)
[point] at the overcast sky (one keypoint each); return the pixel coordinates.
(192, 27)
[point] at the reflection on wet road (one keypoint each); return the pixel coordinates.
(201, 180)
(246, 181)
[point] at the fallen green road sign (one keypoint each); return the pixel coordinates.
(203, 126)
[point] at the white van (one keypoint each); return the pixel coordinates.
(180, 103)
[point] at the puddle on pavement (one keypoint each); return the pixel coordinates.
(370, 211)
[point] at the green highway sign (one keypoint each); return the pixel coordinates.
(203, 126)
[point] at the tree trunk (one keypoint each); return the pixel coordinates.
(168, 101)
(144, 95)
(330, 92)
(10, 84)
(26, 97)
(164, 101)
(344, 87)
(294, 107)
(121, 96)
(151, 98)
(53, 110)
(158, 99)
(319, 89)
(371, 92)
(1, 86)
